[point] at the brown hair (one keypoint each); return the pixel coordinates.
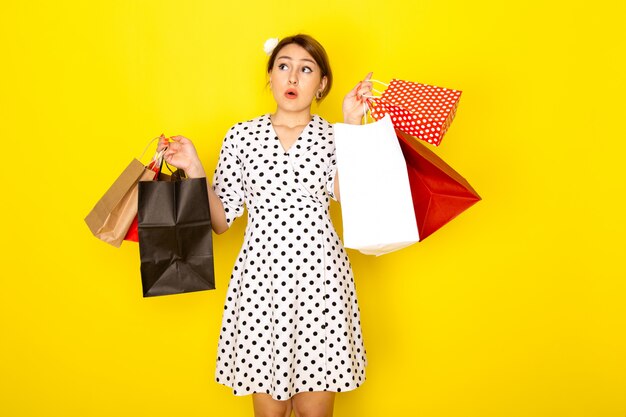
(315, 49)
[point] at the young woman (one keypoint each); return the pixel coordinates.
(291, 333)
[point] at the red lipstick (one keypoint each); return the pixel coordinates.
(291, 93)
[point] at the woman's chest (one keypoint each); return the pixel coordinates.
(265, 163)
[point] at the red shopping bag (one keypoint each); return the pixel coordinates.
(439, 192)
(420, 110)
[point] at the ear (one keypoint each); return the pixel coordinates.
(323, 83)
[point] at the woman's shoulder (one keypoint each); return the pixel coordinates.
(323, 125)
(243, 131)
(251, 124)
(321, 120)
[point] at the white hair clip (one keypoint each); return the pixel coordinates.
(269, 45)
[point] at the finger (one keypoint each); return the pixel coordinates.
(170, 151)
(365, 91)
(366, 83)
(182, 140)
(179, 138)
(365, 87)
(160, 142)
(356, 88)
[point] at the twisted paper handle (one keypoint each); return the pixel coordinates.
(366, 104)
(157, 154)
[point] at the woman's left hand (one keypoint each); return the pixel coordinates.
(354, 101)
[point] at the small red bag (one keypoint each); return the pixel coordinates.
(420, 110)
(439, 192)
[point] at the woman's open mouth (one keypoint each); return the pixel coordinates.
(291, 94)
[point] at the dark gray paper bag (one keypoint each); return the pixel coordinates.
(175, 236)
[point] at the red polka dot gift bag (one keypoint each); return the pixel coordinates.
(420, 110)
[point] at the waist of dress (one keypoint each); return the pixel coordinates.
(313, 206)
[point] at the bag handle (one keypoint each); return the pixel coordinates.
(157, 154)
(177, 174)
(366, 104)
(375, 90)
(146, 148)
(157, 158)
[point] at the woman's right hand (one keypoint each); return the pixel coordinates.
(181, 154)
(356, 100)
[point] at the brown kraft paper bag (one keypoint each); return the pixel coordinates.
(112, 215)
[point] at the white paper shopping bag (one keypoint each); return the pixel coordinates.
(376, 203)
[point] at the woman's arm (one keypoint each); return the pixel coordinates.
(336, 187)
(218, 216)
(182, 154)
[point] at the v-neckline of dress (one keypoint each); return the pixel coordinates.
(286, 151)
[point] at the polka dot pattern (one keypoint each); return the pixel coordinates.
(291, 320)
(420, 110)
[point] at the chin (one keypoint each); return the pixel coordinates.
(294, 106)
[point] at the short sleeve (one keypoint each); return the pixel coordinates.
(228, 178)
(332, 166)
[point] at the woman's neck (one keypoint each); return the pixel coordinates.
(291, 119)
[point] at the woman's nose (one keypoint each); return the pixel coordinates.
(293, 78)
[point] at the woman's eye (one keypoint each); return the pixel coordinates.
(282, 66)
(307, 70)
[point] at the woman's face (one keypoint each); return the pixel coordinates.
(295, 78)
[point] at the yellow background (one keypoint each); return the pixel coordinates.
(515, 308)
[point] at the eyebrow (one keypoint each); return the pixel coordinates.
(303, 59)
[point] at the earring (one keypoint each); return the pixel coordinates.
(319, 94)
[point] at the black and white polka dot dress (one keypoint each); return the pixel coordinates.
(291, 320)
